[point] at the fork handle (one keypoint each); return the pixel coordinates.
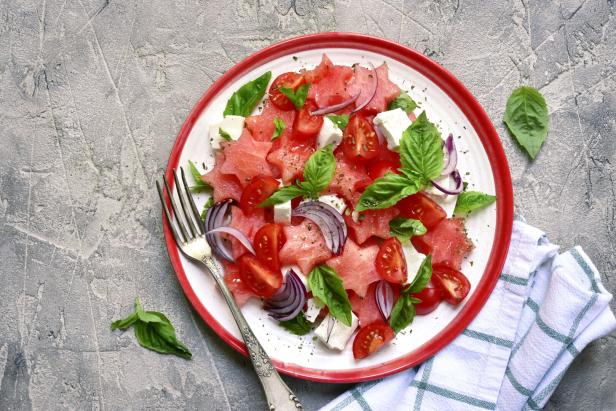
(279, 396)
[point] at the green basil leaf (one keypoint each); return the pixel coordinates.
(246, 98)
(326, 285)
(297, 97)
(403, 313)
(200, 185)
(403, 101)
(472, 200)
(319, 171)
(421, 148)
(526, 117)
(405, 228)
(340, 121)
(386, 191)
(298, 325)
(280, 126)
(424, 273)
(282, 195)
(206, 206)
(124, 323)
(160, 337)
(224, 135)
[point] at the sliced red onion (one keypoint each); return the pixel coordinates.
(334, 107)
(215, 218)
(241, 237)
(459, 185)
(372, 92)
(384, 295)
(451, 156)
(289, 300)
(329, 221)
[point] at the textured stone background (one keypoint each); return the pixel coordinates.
(92, 94)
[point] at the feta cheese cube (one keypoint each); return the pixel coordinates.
(312, 310)
(334, 201)
(282, 213)
(334, 334)
(232, 125)
(413, 261)
(329, 134)
(448, 202)
(392, 124)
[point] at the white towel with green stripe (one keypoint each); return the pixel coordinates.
(543, 311)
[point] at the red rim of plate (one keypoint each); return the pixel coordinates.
(491, 143)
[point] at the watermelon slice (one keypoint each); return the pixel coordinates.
(328, 83)
(262, 126)
(371, 223)
(447, 241)
(305, 247)
(350, 179)
(356, 267)
(247, 224)
(245, 158)
(386, 91)
(366, 308)
(225, 185)
(290, 160)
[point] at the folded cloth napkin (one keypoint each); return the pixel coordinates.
(543, 311)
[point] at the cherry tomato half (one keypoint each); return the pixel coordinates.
(267, 242)
(453, 284)
(259, 189)
(359, 141)
(371, 338)
(380, 168)
(305, 125)
(421, 207)
(261, 279)
(430, 299)
(287, 80)
(390, 262)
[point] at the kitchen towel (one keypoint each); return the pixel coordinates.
(543, 311)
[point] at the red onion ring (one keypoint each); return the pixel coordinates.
(289, 300)
(215, 218)
(334, 107)
(241, 237)
(329, 221)
(451, 156)
(384, 296)
(372, 92)
(457, 179)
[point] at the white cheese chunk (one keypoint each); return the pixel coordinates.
(312, 310)
(232, 125)
(334, 201)
(413, 261)
(329, 134)
(282, 213)
(392, 124)
(334, 334)
(448, 202)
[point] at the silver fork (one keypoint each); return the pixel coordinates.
(192, 243)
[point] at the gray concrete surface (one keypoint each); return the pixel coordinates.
(92, 94)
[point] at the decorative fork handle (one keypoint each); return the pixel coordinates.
(278, 395)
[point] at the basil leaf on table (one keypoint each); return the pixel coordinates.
(403, 312)
(326, 285)
(153, 331)
(297, 97)
(298, 325)
(340, 121)
(280, 126)
(424, 274)
(469, 201)
(246, 98)
(405, 228)
(526, 117)
(421, 148)
(200, 185)
(403, 101)
(386, 191)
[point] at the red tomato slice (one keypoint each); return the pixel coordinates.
(430, 299)
(421, 207)
(390, 262)
(287, 80)
(259, 189)
(267, 242)
(359, 141)
(453, 283)
(261, 279)
(306, 126)
(371, 338)
(382, 167)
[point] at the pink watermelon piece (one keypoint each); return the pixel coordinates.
(245, 158)
(247, 224)
(291, 160)
(304, 246)
(262, 127)
(225, 185)
(328, 83)
(356, 267)
(350, 179)
(386, 91)
(371, 223)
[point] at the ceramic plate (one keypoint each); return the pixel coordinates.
(482, 164)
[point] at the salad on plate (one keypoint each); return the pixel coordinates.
(338, 204)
